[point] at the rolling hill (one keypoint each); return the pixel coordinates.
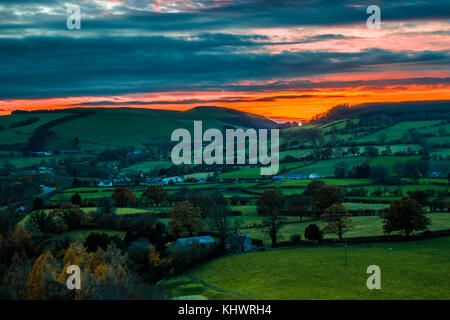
(101, 128)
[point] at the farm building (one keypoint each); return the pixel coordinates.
(314, 176)
(436, 175)
(172, 180)
(105, 183)
(297, 177)
(154, 182)
(238, 243)
(204, 241)
(45, 170)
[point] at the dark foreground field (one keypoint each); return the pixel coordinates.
(409, 270)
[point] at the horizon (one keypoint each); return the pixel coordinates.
(282, 60)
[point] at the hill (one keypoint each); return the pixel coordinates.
(101, 128)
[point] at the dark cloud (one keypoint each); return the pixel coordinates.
(38, 67)
(114, 54)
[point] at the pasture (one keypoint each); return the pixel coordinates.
(409, 270)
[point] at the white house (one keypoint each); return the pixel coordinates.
(105, 183)
(238, 243)
(172, 180)
(314, 176)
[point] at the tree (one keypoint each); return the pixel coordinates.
(312, 232)
(379, 174)
(185, 218)
(123, 197)
(405, 215)
(328, 195)
(76, 199)
(38, 204)
(326, 153)
(72, 215)
(155, 194)
(421, 196)
(220, 224)
(270, 205)
(298, 205)
(21, 240)
(99, 240)
(44, 267)
(338, 220)
(313, 186)
(39, 221)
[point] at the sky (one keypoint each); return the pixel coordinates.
(283, 59)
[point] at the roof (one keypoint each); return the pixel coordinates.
(192, 240)
(236, 240)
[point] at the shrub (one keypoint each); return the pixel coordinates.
(296, 238)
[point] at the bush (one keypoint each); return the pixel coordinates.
(296, 238)
(257, 242)
(312, 232)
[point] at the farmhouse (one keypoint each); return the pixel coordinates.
(204, 241)
(44, 153)
(436, 175)
(297, 177)
(45, 170)
(105, 183)
(172, 180)
(238, 243)
(154, 182)
(314, 176)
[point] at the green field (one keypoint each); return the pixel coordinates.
(396, 131)
(364, 226)
(325, 168)
(409, 270)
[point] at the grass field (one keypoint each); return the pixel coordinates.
(396, 131)
(409, 270)
(364, 226)
(325, 168)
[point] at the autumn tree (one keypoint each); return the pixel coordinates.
(338, 220)
(155, 194)
(21, 240)
(270, 205)
(326, 196)
(406, 215)
(123, 197)
(44, 269)
(313, 186)
(185, 218)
